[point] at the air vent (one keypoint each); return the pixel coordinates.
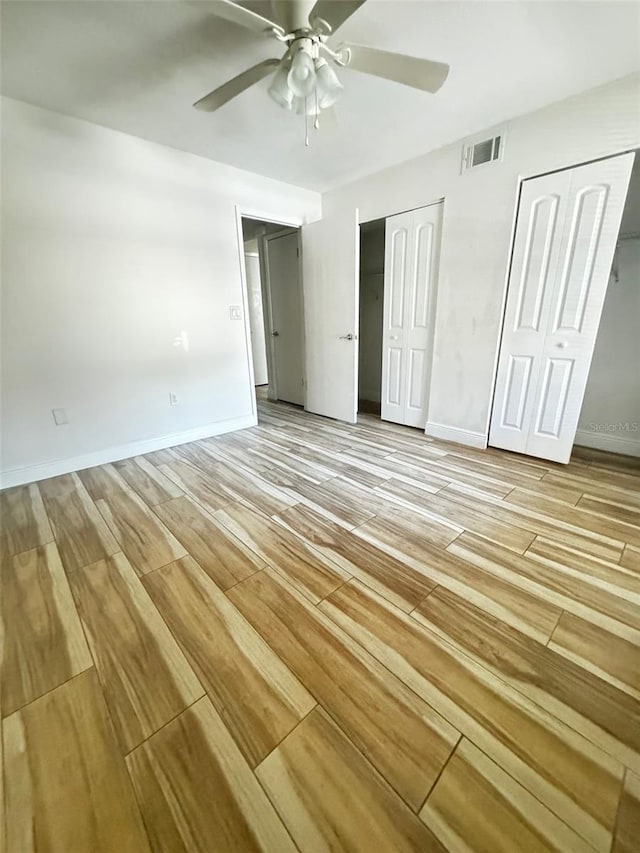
(482, 152)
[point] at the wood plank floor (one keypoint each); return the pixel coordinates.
(319, 636)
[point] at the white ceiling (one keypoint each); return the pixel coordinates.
(138, 66)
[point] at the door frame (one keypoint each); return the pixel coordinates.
(296, 222)
(265, 281)
(256, 255)
(505, 290)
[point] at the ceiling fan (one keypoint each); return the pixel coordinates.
(304, 79)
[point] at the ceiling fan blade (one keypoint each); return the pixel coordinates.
(214, 100)
(245, 17)
(335, 12)
(419, 73)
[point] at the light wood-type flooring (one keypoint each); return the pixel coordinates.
(316, 636)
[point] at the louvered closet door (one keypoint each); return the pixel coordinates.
(566, 233)
(412, 246)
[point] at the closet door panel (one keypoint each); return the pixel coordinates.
(566, 233)
(593, 215)
(412, 245)
(534, 267)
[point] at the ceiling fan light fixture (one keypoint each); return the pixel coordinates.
(279, 90)
(328, 87)
(302, 76)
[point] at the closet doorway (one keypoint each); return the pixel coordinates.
(399, 259)
(371, 316)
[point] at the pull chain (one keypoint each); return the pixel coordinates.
(316, 120)
(306, 128)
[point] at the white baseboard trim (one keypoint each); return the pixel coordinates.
(607, 441)
(457, 435)
(31, 474)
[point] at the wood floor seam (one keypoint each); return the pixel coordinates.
(438, 777)
(280, 742)
(550, 637)
(164, 725)
(414, 808)
(46, 692)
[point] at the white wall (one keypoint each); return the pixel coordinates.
(610, 416)
(371, 313)
(112, 246)
(477, 226)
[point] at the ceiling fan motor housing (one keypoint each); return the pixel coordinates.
(293, 17)
(302, 76)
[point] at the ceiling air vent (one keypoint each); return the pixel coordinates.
(482, 152)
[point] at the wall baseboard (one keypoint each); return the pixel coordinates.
(609, 442)
(31, 474)
(457, 435)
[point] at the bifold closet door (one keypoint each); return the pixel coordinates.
(566, 233)
(412, 248)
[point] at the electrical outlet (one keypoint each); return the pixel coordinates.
(59, 416)
(235, 312)
(173, 399)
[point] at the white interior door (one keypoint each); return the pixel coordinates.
(256, 318)
(412, 248)
(330, 250)
(284, 290)
(566, 234)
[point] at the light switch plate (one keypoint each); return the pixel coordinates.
(235, 312)
(60, 416)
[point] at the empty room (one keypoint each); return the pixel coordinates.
(320, 426)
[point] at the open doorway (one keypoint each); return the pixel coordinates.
(274, 299)
(610, 415)
(371, 313)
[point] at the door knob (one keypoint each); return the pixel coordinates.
(348, 337)
(562, 344)
(275, 334)
(393, 337)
